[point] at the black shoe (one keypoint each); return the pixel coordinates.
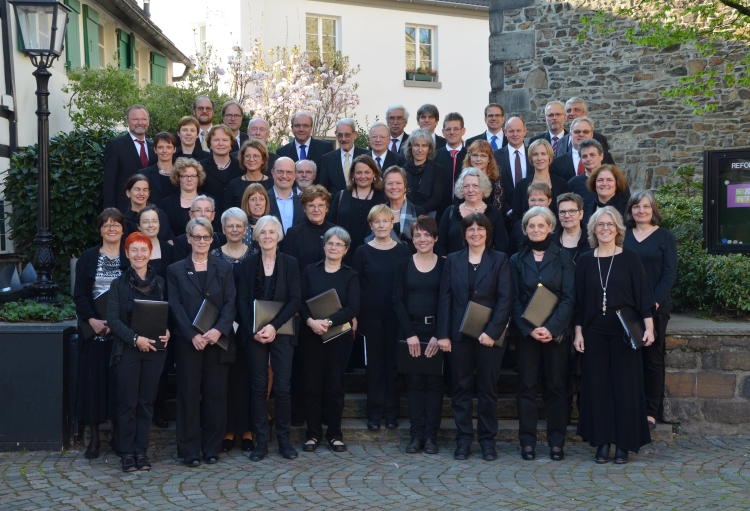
(337, 448)
(528, 453)
(260, 452)
(414, 447)
(602, 454)
(556, 455)
(310, 445)
(621, 456)
(462, 452)
(161, 423)
(91, 454)
(652, 425)
(373, 425)
(391, 423)
(430, 446)
(227, 444)
(142, 463)
(247, 445)
(287, 451)
(297, 423)
(192, 462)
(489, 453)
(128, 464)
(212, 460)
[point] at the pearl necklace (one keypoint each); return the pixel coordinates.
(467, 208)
(199, 262)
(375, 240)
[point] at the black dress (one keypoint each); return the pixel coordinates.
(425, 186)
(177, 216)
(612, 407)
(236, 188)
(351, 214)
(304, 242)
(451, 238)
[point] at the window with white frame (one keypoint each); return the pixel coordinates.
(202, 38)
(420, 44)
(321, 36)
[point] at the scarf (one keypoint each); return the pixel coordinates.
(144, 286)
(406, 218)
(539, 245)
(260, 279)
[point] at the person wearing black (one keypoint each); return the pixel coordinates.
(571, 164)
(375, 263)
(187, 136)
(304, 146)
(253, 161)
(202, 207)
(425, 176)
(540, 153)
(657, 249)
(159, 175)
(539, 194)
(481, 275)
(97, 267)
(416, 289)
(570, 234)
(334, 168)
(270, 276)
(220, 167)
(137, 361)
(202, 365)
(138, 190)
(472, 187)
(609, 184)
(542, 263)
(480, 156)
(325, 363)
(405, 213)
(612, 407)
(349, 209)
(187, 176)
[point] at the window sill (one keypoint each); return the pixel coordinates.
(424, 85)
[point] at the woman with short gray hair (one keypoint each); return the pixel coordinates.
(425, 176)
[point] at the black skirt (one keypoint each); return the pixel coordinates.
(96, 394)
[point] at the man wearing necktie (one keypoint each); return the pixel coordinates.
(554, 116)
(379, 139)
(571, 164)
(575, 108)
(494, 118)
(335, 165)
(203, 110)
(304, 146)
(451, 157)
(513, 161)
(397, 116)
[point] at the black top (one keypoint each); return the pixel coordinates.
(316, 280)
(197, 154)
(217, 181)
(658, 254)
(577, 185)
(236, 188)
(177, 216)
(628, 286)
(161, 186)
(351, 214)
(165, 229)
(376, 270)
(425, 187)
(517, 240)
(182, 247)
(521, 197)
(167, 257)
(575, 252)
(619, 202)
(415, 293)
(304, 242)
(451, 238)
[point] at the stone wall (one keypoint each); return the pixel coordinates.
(535, 57)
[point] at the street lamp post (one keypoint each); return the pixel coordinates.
(42, 24)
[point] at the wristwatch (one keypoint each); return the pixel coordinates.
(330, 323)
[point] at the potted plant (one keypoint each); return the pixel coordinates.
(410, 73)
(425, 74)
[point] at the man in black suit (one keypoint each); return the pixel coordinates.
(285, 204)
(260, 129)
(203, 110)
(494, 118)
(125, 156)
(231, 115)
(451, 157)
(379, 138)
(427, 118)
(513, 161)
(570, 164)
(202, 206)
(304, 147)
(575, 108)
(554, 116)
(334, 168)
(397, 117)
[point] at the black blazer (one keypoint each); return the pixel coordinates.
(331, 171)
(429, 194)
(315, 152)
(244, 137)
(563, 165)
(197, 154)
(159, 187)
(216, 181)
(182, 248)
(391, 159)
(521, 195)
(287, 291)
(545, 136)
(493, 288)
(403, 143)
(121, 160)
(507, 174)
(556, 272)
(83, 289)
(297, 214)
(186, 297)
(443, 158)
(483, 136)
(564, 145)
(439, 141)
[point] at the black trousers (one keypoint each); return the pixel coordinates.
(238, 395)
(382, 355)
(281, 353)
(138, 376)
(298, 386)
(468, 356)
(653, 367)
(201, 399)
(325, 364)
(424, 395)
(529, 356)
(160, 402)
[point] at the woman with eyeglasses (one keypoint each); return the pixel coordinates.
(256, 205)
(253, 160)
(159, 175)
(480, 156)
(188, 175)
(612, 407)
(569, 234)
(138, 190)
(541, 155)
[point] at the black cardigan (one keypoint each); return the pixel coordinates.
(304, 242)
(83, 290)
(521, 195)
(451, 239)
(217, 181)
(287, 291)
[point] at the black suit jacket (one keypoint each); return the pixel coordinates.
(439, 142)
(315, 152)
(298, 214)
(507, 174)
(443, 158)
(182, 248)
(331, 171)
(244, 137)
(216, 182)
(403, 143)
(562, 166)
(159, 188)
(483, 136)
(546, 137)
(493, 288)
(391, 159)
(564, 145)
(121, 160)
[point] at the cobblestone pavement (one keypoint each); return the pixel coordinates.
(693, 473)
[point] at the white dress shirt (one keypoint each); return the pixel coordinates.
(512, 156)
(382, 158)
(500, 135)
(576, 159)
(138, 144)
(307, 147)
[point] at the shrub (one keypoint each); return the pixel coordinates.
(29, 310)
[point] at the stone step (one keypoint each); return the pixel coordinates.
(357, 381)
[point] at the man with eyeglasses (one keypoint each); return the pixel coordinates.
(554, 116)
(397, 117)
(335, 166)
(451, 157)
(231, 115)
(575, 108)
(203, 110)
(592, 155)
(304, 146)
(494, 118)
(379, 137)
(306, 173)
(570, 164)
(203, 206)
(284, 203)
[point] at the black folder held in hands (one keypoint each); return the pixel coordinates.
(475, 321)
(100, 308)
(408, 364)
(265, 311)
(632, 323)
(540, 308)
(324, 306)
(149, 320)
(206, 319)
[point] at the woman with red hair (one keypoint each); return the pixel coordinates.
(137, 362)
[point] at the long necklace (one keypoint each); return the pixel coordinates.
(366, 196)
(605, 283)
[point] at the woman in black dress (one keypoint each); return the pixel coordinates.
(610, 186)
(270, 276)
(188, 176)
(189, 147)
(482, 275)
(657, 249)
(541, 156)
(256, 205)
(95, 270)
(221, 167)
(253, 160)
(570, 233)
(350, 207)
(542, 263)
(138, 190)
(415, 301)
(395, 185)
(375, 262)
(425, 176)
(159, 175)
(612, 403)
(137, 361)
(472, 187)
(325, 363)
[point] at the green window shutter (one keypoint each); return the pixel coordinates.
(123, 49)
(73, 36)
(132, 51)
(158, 68)
(91, 36)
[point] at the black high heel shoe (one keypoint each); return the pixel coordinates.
(556, 455)
(528, 453)
(602, 454)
